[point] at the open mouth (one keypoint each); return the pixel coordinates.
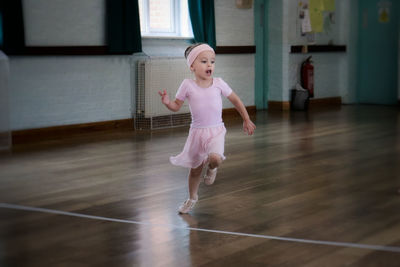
(208, 72)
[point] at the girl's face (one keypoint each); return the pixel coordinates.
(203, 66)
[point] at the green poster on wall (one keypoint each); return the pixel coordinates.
(329, 5)
(317, 21)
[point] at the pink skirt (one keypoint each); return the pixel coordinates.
(199, 144)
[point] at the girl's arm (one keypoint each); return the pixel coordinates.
(171, 105)
(248, 125)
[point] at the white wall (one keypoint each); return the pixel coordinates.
(235, 27)
(55, 90)
(5, 136)
(330, 69)
(64, 22)
(238, 72)
(60, 90)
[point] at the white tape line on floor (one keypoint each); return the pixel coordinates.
(288, 239)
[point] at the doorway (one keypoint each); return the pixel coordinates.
(378, 52)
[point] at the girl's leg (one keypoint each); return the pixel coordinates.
(194, 181)
(214, 161)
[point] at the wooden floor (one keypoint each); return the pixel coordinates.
(316, 189)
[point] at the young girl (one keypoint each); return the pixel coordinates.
(205, 144)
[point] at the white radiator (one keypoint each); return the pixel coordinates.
(153, 75)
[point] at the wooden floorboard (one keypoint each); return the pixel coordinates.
(325, 175)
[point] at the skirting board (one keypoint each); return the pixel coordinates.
(314, 103)
(321, 102)
(65, 131)
(58, 132)
(232, 112)
(278, 105)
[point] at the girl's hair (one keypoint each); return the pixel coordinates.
(190, 48)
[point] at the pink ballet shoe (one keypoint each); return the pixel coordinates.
(210, 175)
(187, 206)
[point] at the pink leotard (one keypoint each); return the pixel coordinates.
(205, 103)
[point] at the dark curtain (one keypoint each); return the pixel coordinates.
(13, 26)
(203, 21)
(123, 26)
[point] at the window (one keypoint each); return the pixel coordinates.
(165, 18)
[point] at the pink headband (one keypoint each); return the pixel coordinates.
(196, 51)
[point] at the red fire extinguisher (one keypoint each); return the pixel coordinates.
(307, 76)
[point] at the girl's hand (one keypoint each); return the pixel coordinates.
(249, 127)
(164, 97)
